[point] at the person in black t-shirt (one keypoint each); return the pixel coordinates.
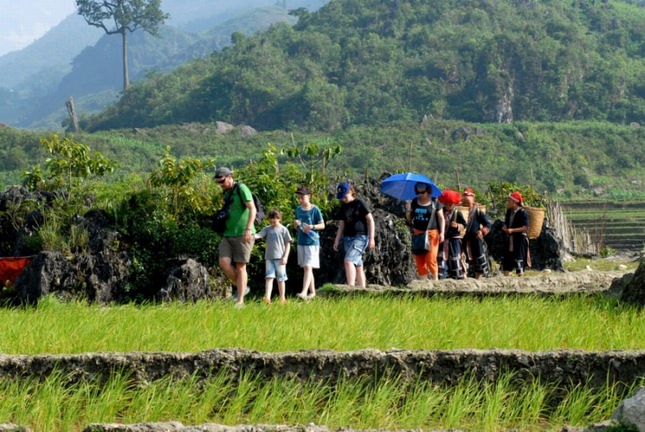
(423, 214)
(356, 229)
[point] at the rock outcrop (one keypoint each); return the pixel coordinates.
(631, 411)
(634, 289)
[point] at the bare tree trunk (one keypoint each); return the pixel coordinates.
(71, 109)
(126, 81)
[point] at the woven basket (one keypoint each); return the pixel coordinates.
(464, 212)
(536, 219)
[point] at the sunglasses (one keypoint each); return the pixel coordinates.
(220, 180)
(422, 192)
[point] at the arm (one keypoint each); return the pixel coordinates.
(249, 224)
(408, 211)
(371, 227)
(525, 223)
(339, 234)
(285, 256)
(441, 221)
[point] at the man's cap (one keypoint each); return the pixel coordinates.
(223, 172)
(303, 190)
(342, 190)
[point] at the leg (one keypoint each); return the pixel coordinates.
(360, 276)
(227, 267)
(433, 267)
(268, 288)
(422, 268)
(242, 279)
(281, 291)
(350, 273)
(307, 280)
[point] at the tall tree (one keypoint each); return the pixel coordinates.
(121, 17)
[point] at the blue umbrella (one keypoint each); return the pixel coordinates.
(401, 186)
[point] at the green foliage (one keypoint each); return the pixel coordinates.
(498, 196)
(71, 161)
(188, 196)
(607, 251)
(368, 62)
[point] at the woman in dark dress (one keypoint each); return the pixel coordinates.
(516, 226)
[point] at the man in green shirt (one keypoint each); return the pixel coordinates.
(237, 241)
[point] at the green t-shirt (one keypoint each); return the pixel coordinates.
(238, 211)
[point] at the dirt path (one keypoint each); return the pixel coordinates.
(544, 283)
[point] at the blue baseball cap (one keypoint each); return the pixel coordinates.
(342, 190)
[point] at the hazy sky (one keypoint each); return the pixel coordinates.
(24, 21)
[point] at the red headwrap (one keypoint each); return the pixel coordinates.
(469, 192)
(450, 196)
(517, 197)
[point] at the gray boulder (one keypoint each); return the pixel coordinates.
(223, 128)
(97, 271)
(247, 131)
(634, 289)
(632, 411)
(187, 281)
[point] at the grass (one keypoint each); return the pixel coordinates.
(53, 405)
(382, 322)
(611, 263)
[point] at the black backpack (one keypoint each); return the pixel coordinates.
(259, 214)
(220, 216)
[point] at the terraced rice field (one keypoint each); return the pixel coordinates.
(618, 224)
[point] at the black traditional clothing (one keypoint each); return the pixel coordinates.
(450, 259)
(516, 255)
(474, 246)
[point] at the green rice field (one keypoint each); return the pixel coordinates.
(531, 323)
(619, 225)
(387, 403)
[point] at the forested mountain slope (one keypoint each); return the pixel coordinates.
(378, 61)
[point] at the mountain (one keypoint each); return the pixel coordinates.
(57, 49)
(78, 60)
(375, 62)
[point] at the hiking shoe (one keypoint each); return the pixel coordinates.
(234, 293)
(302, 296)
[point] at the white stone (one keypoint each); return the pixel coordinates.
(632, 411)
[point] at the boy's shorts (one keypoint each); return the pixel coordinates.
(236, 249)
(309, 256)
(275, 270)
(354, 248)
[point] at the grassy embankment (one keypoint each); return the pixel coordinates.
(530, 323)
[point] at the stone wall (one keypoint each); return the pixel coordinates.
(566, 367)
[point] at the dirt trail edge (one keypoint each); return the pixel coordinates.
(543, 284)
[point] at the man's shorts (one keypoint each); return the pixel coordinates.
(354, 248)
(237, 250)
(309, 256)
(275, 270)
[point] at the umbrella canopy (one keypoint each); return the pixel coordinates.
(450, 196)
(401, 186)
